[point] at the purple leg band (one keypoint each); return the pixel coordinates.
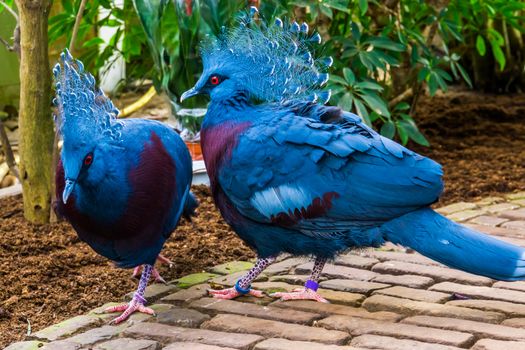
(311, 285)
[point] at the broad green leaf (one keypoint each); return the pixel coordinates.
(346, 102)
(388, 129)
(480, 45)
(387, 44)
(432, 84)
(402, 106)
(498, 55)
(361, 111)
(363, 6)
(413, 132)
(403, 134)
(349, 75)
(338, 80)
(376, 103)
(368, 85)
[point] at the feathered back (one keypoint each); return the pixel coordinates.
(83, 111)
(277, 60)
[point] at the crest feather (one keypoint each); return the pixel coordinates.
(81, 106)
(278, 60)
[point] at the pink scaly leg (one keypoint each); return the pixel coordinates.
(309, 292)
(138, 301)
(242, 287)
(158, 278)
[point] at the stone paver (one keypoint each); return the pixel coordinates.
(285, 344)
(491, 344)
(66, 327)
(411, 281)
(187, 295)
(182, 317)
(204, 336)
(412, 307)
(436, 272)
(328, 309)
(193, 346)
(25, 345)
(253, 310)
(231, 267)
(481, 292)
(338, 271)
(482, 330)
(358, 326)
(353, 286)
(379, 342)
(275, 329)
(381, 299)
(415, 294)
(128, 344)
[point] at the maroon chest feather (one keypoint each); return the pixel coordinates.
(217, 144)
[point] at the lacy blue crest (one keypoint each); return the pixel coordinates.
(81, 106)
(278, 60)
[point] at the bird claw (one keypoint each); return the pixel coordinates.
(127, 310)
(300, 294)
(163, 260)
(232, 293)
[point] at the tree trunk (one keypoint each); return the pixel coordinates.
(35, 121)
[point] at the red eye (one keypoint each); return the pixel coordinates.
(214, 80)
(88, 160)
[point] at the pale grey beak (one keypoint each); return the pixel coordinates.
(191, 92)
(68, 188)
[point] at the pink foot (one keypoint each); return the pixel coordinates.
(155, 273)
(231, 293)
(163, 260)
(300, 294)
(127, 310)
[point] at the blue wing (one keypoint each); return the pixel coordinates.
(323, 172)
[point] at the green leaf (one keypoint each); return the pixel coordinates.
(338, 80)
(432, 84)
(349, 75)
(93, 42)
(464, 74)
(376, 104)
(403, 134)
(363, 6)
(368, 85)
(387, 44)
(388, 129)
(362, 112)
(499, 55)
(346, 102)
(480, 45)
(413, 132)
(402, 106)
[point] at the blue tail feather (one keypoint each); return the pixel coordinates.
(457, 246)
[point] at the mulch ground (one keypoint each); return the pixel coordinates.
(48, 275)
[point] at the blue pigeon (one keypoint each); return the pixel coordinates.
(290, 174)
(122, 184)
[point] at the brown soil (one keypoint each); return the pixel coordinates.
(479, 140)
(48, 275)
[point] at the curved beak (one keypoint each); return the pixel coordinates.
(191, 92)
(68, 188)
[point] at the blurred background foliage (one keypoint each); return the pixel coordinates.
(386, 53)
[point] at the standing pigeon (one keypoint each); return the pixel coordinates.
(292, 175)
(123, 184)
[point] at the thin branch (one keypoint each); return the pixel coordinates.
(78, 19)
(9, 9)
(9, 156)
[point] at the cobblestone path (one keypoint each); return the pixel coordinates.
(388, 299)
